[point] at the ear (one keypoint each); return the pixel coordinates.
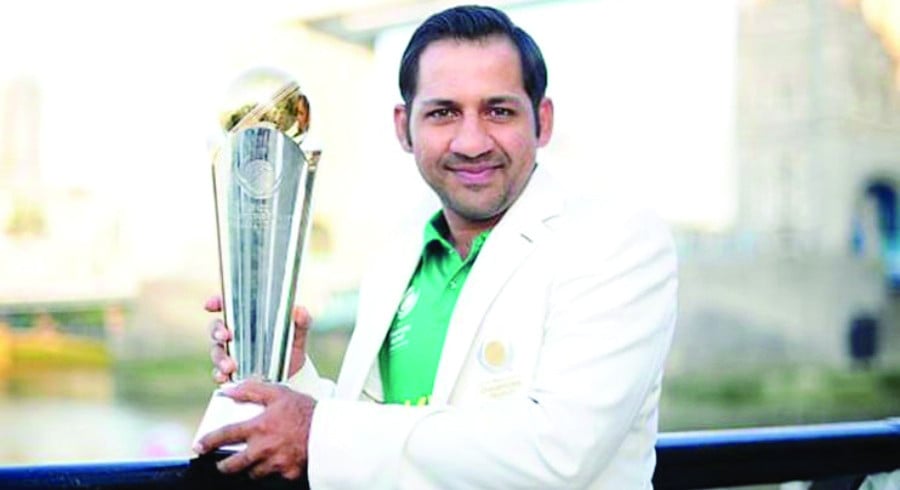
(401, 127)
(545, 116)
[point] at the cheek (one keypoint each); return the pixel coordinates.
(519, 146)
(429, 146)
(426, 159)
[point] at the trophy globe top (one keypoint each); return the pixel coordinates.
(266, 97)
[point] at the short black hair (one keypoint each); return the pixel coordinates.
(474, 23)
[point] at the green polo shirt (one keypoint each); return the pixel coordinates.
(412, 348)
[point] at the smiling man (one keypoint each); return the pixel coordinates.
(473, 129)
(517, 343)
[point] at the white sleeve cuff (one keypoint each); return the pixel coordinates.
(308, 381)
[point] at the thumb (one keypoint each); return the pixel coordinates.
(302, 321)
(301, 329)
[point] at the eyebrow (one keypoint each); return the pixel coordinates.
(504, 99)
(498, 99)
(438, 102)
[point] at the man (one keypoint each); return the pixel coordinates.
(520, 344)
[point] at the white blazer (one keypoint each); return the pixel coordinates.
(551, 369)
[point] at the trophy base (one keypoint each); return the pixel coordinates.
(223, 410)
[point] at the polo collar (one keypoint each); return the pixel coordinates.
(437, 232)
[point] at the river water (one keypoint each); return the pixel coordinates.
(77, 415)
(55, 430)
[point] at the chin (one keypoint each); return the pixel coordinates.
(479, 214)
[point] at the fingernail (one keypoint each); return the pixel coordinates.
(198, 448)
(220, 466)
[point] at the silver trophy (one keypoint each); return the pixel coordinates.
(262, 182)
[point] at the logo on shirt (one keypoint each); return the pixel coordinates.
(397, 337)
(410, 297)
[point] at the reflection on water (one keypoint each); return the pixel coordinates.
(48, 430)
(75, 415)
(70, 383)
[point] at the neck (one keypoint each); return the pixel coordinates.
(463, 231)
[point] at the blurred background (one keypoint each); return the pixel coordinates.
(767, 133)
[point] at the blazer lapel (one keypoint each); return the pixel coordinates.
(382, 295)
(509, 244)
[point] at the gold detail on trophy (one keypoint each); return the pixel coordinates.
(267, 97)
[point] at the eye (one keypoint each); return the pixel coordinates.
(440, 114)
(501, 113)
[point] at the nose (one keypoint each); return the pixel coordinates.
(471, 138)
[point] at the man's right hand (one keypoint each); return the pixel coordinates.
(224, 366)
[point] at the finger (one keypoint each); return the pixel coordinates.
(222, 362)
(236, 462)
(218, 332)
(227, 366)
(230, 434)
(254, 391)
(220, 377)
(292, 473)
(213, 304)
(274, 462)
(262, 470)
(217, 353)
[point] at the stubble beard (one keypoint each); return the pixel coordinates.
(469, 209)
(474, 212)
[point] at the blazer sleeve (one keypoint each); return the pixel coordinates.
(611, 314)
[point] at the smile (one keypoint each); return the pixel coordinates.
(475, 175)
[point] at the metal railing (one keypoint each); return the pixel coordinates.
(718, 458)
(701, 459)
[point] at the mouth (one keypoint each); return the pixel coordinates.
(475, 174)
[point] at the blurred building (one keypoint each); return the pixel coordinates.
(60, 247)
(818, 122)
(818, 158)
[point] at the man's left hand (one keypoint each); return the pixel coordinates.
(276, 440)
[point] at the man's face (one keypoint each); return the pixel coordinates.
(471, 126)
